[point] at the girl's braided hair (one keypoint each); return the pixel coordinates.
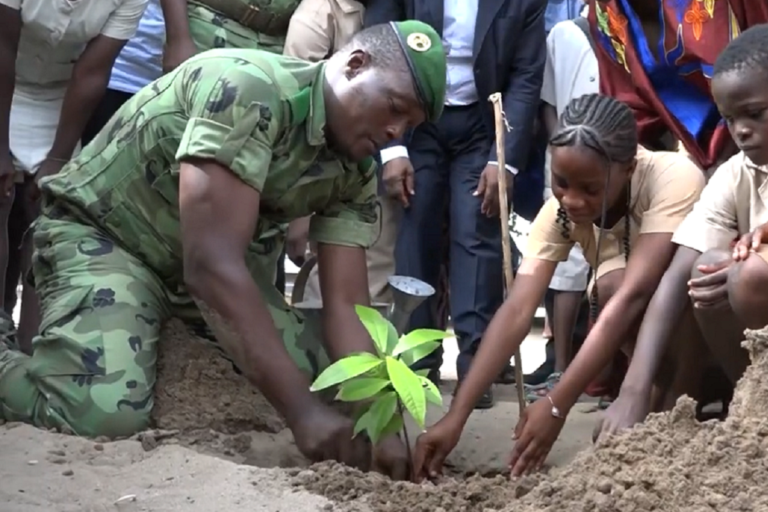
(606, 126)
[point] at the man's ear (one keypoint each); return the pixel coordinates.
(357, 61)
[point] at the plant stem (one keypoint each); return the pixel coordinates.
(407, 442)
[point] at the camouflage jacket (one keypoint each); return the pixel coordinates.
(260, 114)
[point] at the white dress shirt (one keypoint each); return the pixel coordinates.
(459, 20)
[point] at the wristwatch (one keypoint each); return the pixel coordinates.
(555, 411)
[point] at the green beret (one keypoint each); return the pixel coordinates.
(425, 56)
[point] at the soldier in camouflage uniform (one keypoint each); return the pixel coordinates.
(194, 26)
(158, 215)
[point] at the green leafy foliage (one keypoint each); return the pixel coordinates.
(382, 382)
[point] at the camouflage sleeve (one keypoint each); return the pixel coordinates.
(353, 220)
(234, 116)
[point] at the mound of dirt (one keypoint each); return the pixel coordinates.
(198, 389)
(474, 494)
(671, 462)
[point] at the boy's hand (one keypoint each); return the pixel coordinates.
(711, 289)
(750, 242)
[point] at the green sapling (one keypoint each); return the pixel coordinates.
(384, 382)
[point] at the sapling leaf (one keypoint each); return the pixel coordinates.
(360, 389)
(394, 426)
(376, 325)
(409, 389)
(362, 423)
(381, 413)
(392, 338)
(431, 392)
(361, 409)
(423, 372)
(418, 337)
(345, 369)
(411, 356)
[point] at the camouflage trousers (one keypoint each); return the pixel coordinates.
(211, 30)
(93, 367)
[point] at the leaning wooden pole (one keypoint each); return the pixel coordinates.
(501, 128)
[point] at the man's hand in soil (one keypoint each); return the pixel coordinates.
(627, 411)
(433, 446)
(710, 289)
(390, 457)
(219, 213)
(534, 435)
(322, 433)
(398, 179)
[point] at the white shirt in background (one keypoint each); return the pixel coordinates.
(571, 71)
(459, 20)
(141, 60)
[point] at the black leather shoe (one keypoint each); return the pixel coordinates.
(486, 401)
(507, 375)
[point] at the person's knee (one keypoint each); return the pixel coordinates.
(748, 291)
(711, 257)
(124, 422)
(607, 286)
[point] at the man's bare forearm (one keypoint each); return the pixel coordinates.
(9, 45)
(344, 333)
(661, 318)
(234, 309)
(176, 20)
(81, 99)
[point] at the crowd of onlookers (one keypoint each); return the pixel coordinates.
(68, 65)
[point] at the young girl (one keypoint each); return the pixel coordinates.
(727, 284)
(622, 204)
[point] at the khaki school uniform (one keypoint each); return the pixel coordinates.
(734, 202)
(318, 29)
(664, 188)
(54, 34)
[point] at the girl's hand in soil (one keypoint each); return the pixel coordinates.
(433, 446)
(322, 433)
(390, 457)
(625, 412)
(534, 436)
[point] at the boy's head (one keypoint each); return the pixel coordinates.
(740, 89)
(593, 154)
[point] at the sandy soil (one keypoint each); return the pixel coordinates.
(215, 429)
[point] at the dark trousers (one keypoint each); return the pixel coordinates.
(109, 104)
(448, 158)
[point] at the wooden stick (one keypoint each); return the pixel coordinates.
(501, 128)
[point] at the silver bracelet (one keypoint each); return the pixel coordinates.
(555, 411)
